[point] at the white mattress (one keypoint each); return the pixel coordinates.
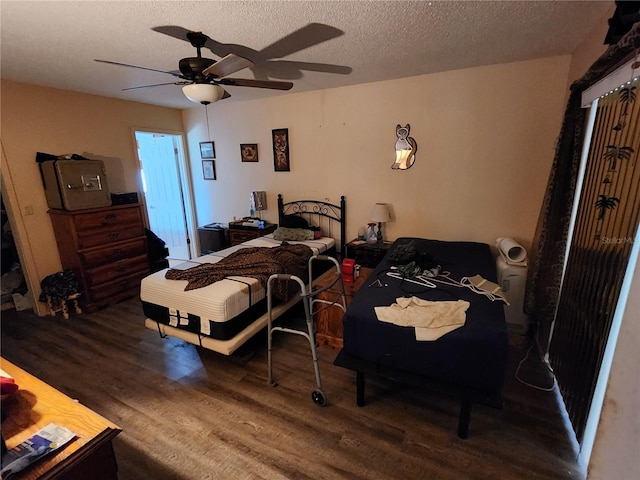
(220, 301)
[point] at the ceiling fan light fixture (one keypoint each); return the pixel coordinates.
(204, 93)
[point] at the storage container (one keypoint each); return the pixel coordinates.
(75, 184)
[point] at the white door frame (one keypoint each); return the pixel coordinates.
(186, 183)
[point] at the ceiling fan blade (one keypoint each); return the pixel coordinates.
(217, 48)
(290, 70)
(317, 67)
(136, 66)
(305, 37)
(227, 65)
(173, 31)
(247, 82)
(156, 85)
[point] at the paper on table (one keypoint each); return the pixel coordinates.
(47, 440)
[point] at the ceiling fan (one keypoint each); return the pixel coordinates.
(202, 78)
(269, 62)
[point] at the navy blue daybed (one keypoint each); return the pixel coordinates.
(469, 362)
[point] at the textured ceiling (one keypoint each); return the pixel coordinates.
(54, 43)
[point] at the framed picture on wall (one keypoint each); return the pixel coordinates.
(207, 150)
(281, 160)
(249, 152)
(208, 170)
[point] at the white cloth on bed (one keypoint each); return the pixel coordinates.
(431, 320)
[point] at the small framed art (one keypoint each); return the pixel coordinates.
(207, 150)
(208, 170)
(249, 152)
(281, 161)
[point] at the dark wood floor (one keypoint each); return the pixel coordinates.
(189, 413)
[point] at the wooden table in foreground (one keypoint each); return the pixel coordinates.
(88, 456)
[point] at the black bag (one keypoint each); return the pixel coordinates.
(59, 286)
(408, 252)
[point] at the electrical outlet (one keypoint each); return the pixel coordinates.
(28, 209)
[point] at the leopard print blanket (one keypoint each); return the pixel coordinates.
(254, 262)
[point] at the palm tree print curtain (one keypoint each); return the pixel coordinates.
(607, 218)
(606, 222)
(552, 232)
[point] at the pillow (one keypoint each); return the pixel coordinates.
(317, 232)
(292, 234)
(293, 221)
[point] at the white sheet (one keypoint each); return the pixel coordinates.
(431, 320)
(221, 300)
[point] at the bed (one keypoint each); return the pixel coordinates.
(224, 315)
(469, 362)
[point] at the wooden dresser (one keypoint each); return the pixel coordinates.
(106, 248)
(89, 455)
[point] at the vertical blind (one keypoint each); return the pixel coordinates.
(606, 221)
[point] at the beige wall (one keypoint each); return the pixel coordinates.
(485, 139)
(36, 119)
(485, 142)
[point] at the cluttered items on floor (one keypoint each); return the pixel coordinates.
(60, 289)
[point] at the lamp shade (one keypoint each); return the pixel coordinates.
(380, 213)
(259, 201)
(204, 93)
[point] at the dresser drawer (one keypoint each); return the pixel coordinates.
(107, 249)
(117, 270)
(89, 222)
(128, 284)
(107, 236)
(240, 236)
(115, 253)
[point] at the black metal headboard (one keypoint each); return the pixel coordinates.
(320, 214)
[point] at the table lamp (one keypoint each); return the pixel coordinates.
(258, 202)
(380, 214)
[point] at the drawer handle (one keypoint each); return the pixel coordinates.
(117, 252)
(111, 216)
(113, 235)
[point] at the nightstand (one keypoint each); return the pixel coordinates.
(213, 238)
(329, 320)
(367, 255)
(239, 233)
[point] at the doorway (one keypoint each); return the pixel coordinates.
(12, 284)
(165, 183)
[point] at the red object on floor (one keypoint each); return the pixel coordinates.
(348, 267)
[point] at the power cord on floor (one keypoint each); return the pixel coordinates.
(535, 343)
(537, 387)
